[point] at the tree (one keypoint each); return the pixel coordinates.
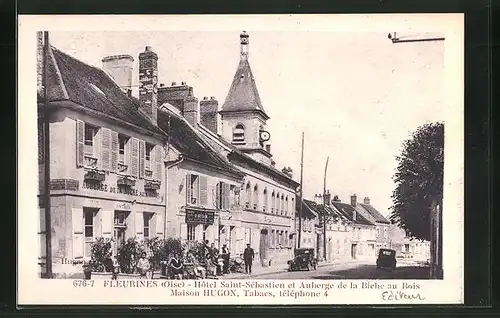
(419, 180)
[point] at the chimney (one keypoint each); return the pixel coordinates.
(148, 79)
(354, 199)
(119, 67)
(327, 198)
(192, 110)
(366, 200)
(318, 198)
(209, 113)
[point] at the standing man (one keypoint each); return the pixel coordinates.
(248, 256)
(225, 257)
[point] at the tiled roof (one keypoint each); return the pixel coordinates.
(90, 87)
(184, 138)
(321, 209)
(376, 214)
(307, 211)
(347, 210)
(243, 94)
(265, 168)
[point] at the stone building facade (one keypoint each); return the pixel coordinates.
(106, 162)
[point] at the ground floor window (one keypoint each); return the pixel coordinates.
(120, 228)
(147, 219)
(191, 228)
(205, 227)
(89, 216)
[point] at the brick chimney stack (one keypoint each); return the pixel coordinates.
(148, 79)
(354, 199)
(366, 200)
(327, 198)
(209, 109)
(192, 110)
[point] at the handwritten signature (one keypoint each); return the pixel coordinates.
(399, 295)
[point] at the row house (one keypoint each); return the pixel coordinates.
(362, 232)
(309, 227)
(264, 214)
(106, 160)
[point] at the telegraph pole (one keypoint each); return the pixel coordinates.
(46, 139)
(299, 235)
(324, 211)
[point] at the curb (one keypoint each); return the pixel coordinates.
(285, 270)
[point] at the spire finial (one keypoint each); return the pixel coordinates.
(244, 45)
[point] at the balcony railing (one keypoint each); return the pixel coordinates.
(122, 168)
(90, 161)
(148, 173)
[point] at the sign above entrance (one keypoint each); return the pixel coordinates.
(200, 217)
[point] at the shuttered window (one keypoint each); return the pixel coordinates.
(142, 158)
(90, 140)
(264, 200)
(147, 221)
(106, 149)
(148, 156)
(273, 201)
(158, 162)
(203, 190)
(134, 157)
(192, 189)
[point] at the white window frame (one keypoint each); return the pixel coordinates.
(191, 232)
(90, 143)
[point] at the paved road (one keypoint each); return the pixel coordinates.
(352, 271)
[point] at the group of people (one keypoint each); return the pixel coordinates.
(213, 262)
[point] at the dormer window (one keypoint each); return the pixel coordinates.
(239, 133)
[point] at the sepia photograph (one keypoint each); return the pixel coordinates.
(199, 158)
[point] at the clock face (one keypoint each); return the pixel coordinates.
(264, 135)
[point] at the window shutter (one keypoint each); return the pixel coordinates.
(80, 136)
(106, 148)
(106, 223)
(142, 158)
(157, 162)
(217, 195)
(78, 239)
(203, 191)
(139, 225)
(159, 224)
(183, 231)
(134, 157)
(114, 151)
(188, 189)
(225, 193)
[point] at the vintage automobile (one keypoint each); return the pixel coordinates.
(386, 259)
(304, 258)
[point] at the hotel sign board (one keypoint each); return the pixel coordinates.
(200, 217)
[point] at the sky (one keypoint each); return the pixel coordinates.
(355, 95)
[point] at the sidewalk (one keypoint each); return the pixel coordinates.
(259, 271)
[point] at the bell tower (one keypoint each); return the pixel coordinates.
(243, 116)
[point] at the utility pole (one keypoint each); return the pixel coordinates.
(299, 235)
(46, 139)
(324, 211)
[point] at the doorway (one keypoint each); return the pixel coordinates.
(264, 245)
(354, 250)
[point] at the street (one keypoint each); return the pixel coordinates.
(352, 271)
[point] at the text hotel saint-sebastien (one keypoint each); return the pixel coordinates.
(393, 292)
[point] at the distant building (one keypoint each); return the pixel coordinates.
(363, 232)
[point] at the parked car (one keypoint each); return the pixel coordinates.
(304, 258)
(386, 259)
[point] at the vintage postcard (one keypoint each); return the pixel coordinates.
(243, 160)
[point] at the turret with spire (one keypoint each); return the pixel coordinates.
(243, 116)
